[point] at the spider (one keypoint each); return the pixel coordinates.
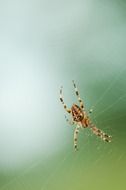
(81, 119)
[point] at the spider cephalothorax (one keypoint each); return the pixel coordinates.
(81, 119)
(77, 113)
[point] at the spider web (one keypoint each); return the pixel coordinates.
(67, 166)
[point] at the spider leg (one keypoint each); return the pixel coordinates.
(70, 122)
(78, 96)
(61, 99)
(101, 134)
(76, 131)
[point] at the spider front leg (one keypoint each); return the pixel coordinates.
(76, 131)
(61, 99)
(78, 96)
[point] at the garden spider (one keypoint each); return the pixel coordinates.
(81, 119)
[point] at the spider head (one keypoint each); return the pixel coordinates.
(77, 113)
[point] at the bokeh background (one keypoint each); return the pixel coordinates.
(46, 44)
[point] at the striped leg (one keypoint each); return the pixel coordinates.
(77, 93)
(61, 99)
(101, 134)
(76, 136)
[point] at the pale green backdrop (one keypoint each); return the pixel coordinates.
(46, 44)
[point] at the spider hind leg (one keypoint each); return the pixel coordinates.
(101, 134)
(76, 131)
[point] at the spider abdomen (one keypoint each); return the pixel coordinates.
(77, 113)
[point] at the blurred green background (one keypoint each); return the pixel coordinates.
(46, 44)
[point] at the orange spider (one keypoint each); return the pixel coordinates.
(81, 119)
